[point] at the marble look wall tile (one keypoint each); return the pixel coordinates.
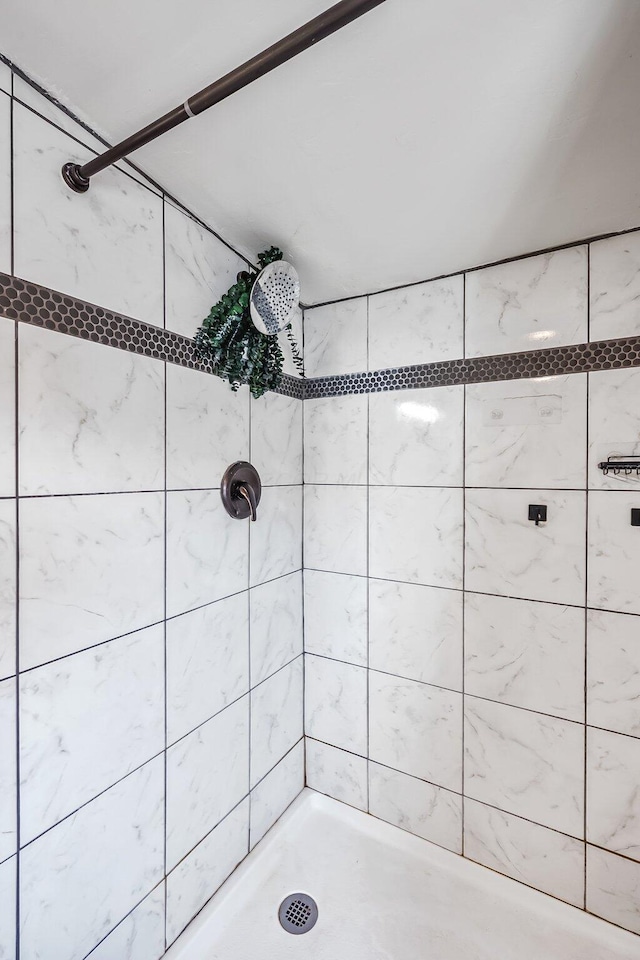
(28, 95)
(526, 764)
(199, 269)
(420, 808)
(207, 663)
(613, 888)
(416, 632)
(276, 792)
(336, 703)
(507, 554)
(416, 535)
(613, 799)
(526, 654)
(417, 324)
(79, 244)
(276, 718)
(8, 836)
(527, 304)
(615, 287)
(5, 78)
(80, 879)
(613, 545)
(614, 425)
(335, 338)
(335, 529)
(335, 622)
(537, 856)
(207, 551)
(416, 437)
(91, 418)
(140, 936)
(508, 424)
(7, 404)
(7, 588)
(276, 439)
(91, 570)
(207, 428)
(5, 184)
(336, 773)
(194, 881)
(207, 775)
(276, 625)
(8, 909)
(613, 672)
(85, 722)
(276, 538)
(416, 728)
(335, 440)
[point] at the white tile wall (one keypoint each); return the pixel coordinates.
(336, 440)
(615, 287)
(80, 244)
(416, 728)
(335, 622)
(613, 672)
(509, 423)
(544, 859)
(5, 185)
(197, 796)
(111, 695)
(614, 425)
(337, 773)
(199, 270)
(525, 763)
(507, 554)
(416, 437)
(527, 304)
(335, 338)
(207, 428)
(91, 419)
(613, 800)
(91, 570)
(8, 908)
(421, 808)
(276, 718)
(207, 663)
(7, 407)
(419, 324)
(612, 584)
(107, 554)
(335, 529)
(336, 703)
(613, 888)
(68, 898)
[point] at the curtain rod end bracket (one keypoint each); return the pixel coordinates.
(73, 177)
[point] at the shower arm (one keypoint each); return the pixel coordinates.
(340, 15)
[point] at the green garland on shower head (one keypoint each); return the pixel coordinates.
(238, 351)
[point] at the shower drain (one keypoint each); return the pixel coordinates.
(298, 913)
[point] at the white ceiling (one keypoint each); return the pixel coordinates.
(422, 139)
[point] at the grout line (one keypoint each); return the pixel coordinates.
(165, 581)
(18, 799)
(586, 584)
(464, 560)
(368, 571)
(249, 608)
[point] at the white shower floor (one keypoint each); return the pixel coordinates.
(385, 895)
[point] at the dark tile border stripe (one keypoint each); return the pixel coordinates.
(577, 358)
(30, 303)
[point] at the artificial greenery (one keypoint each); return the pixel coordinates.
(238, 351)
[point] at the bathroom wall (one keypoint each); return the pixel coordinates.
(150, 646)
(470, 676)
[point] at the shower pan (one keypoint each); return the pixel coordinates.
(383, 894)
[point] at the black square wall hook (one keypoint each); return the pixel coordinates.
(538, 512)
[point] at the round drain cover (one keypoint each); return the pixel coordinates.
(298, 913)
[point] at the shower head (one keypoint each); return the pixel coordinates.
(275, 297)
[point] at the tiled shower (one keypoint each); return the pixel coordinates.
(450, 666)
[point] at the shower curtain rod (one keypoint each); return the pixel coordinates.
(340, 15)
